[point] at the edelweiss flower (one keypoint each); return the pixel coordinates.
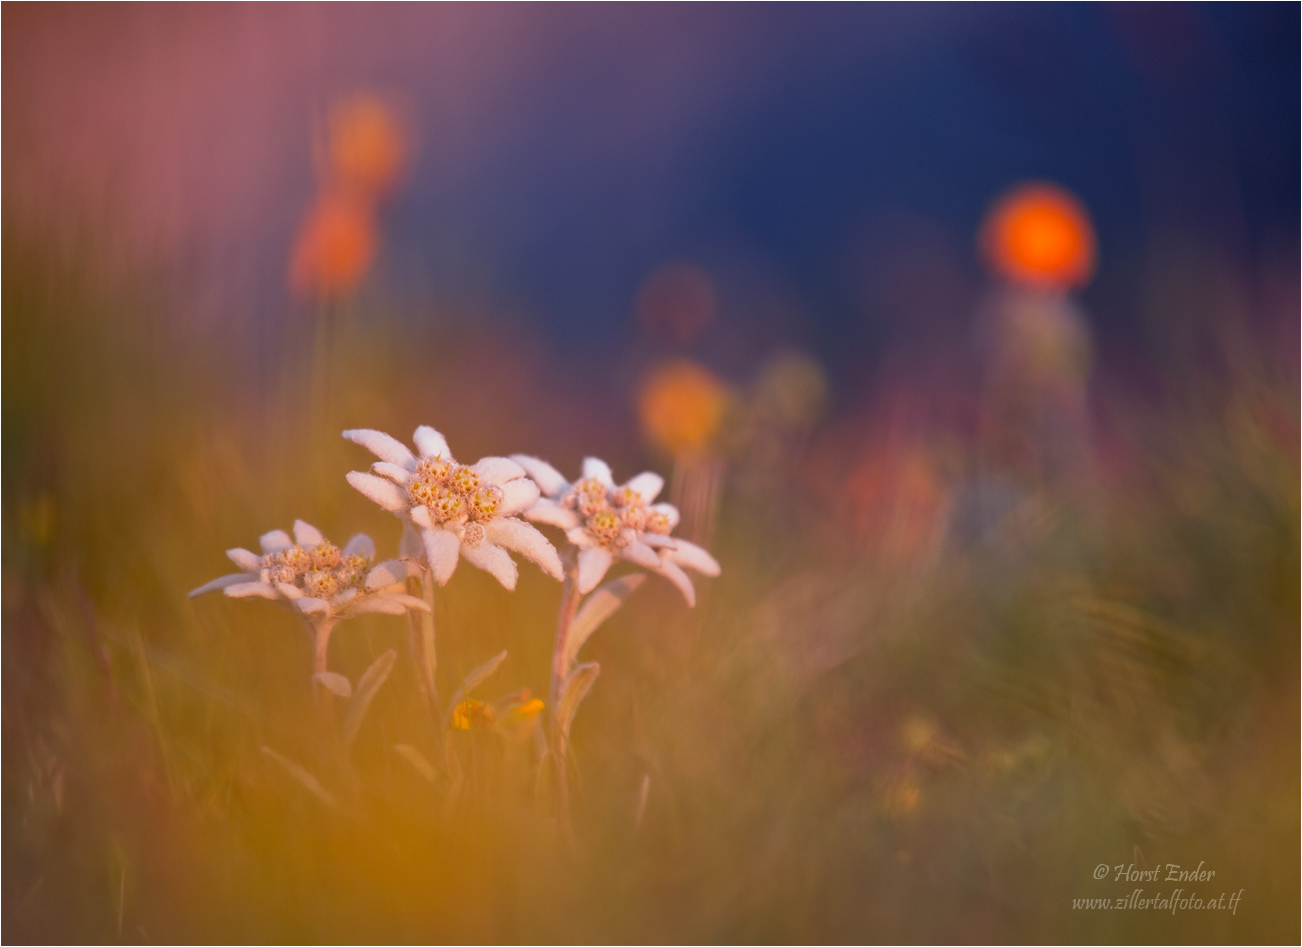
(608, 522)
(460, 510)
(317, 578)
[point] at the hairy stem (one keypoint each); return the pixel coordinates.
(570, 597)
(420, 628)
(320, 664)
(569, 606)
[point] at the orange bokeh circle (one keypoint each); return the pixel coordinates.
(367, 145)
(335, 247)
(1041, 235)
(681, 406)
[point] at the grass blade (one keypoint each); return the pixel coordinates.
(336, 684)
(367, 685)
(474, 679)
(600, 605)
(576, 688)
(305, 779)
(417, 760)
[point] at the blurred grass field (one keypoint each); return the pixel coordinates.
(901, 732)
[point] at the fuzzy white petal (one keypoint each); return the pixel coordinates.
(519, 536)
(399, 475)
(244, 559)
(493, 560)
(646, 485)
(291, 592)
(668, 510)
(393, 498)
(377, 603)
(679, 578)
(343, 598)
(518, 496)
(223, 582)
(498, 470)
(657, 541)
(311, 606)
(389, 572)
(360, 545)
(420, 516)
(641, 554)
(408, 601)
(441, 548)
(594, 563)
(693, 557)
(592, 467)
(275, 541)
(307, 535)
(383, 446)
(548, 478)
(252, 589)
(579, 537)
(431, 443)
(552, 513)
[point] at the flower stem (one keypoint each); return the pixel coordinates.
(320, 663)
(570, 597)
(569, 606)
(420, 629)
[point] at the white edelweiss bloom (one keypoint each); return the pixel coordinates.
(316, 578)
(461, 511)
(608, 522)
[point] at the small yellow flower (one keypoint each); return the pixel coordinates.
(472, 713)
(519, 714)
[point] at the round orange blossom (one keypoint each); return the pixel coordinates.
(681, 406)
(1041, 235)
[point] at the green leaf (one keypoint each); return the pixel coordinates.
(336, 684)
(576, 687)
(417, 761)
(367, 685)
(599, 606)
(305, 779)
(474, 679)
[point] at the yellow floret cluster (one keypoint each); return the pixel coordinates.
(453, 494)
(320, 571)
(613, 517)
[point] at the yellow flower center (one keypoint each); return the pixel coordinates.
(321, 572)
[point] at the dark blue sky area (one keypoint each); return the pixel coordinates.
(800, 154)
(781, 140)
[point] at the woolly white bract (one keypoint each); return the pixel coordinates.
(316, 578)
(462, 511)
(608, 522)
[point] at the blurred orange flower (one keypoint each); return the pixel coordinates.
(1041, 235)
(681, 407)
(334, 248)
(367, 145)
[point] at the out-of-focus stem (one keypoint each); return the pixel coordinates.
(429, 657)
(569, 606)
(320, 660)
(420, 630)
(559, 751)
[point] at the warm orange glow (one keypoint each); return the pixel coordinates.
(681, 407)
(334, 248)
(1041, 235)
(367, 145)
